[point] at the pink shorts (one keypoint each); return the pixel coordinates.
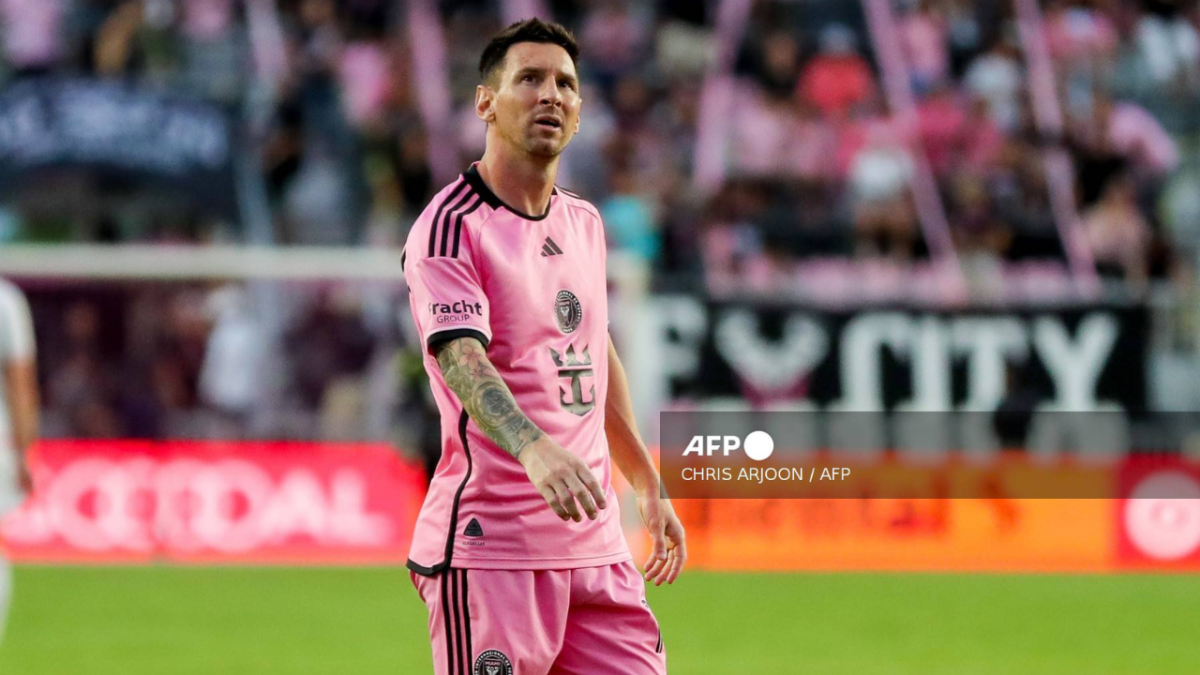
(589, 621)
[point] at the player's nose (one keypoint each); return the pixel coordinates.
(550, 95)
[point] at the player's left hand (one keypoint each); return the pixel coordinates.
(670, 547)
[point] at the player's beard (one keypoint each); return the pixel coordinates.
(529, 140)
(547, 148)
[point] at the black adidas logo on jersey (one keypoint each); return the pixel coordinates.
(550, 248)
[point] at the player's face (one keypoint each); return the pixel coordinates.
(535, 101)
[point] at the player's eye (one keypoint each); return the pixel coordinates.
(567, 83)
(527, 77)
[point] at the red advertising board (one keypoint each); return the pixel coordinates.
(205, 502)
(328, 503)
(1155, 532)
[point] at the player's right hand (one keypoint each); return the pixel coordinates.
(562, 479)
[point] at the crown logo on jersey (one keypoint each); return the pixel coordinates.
(573, 368)
(572, 361)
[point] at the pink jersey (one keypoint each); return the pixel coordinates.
(534, 291)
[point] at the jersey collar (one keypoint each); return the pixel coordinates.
(476, 182)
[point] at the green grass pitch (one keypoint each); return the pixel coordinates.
(278, 621)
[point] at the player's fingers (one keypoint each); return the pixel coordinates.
(659, 554)
(660, 545)
(664, 570)
(593, 487)
(567, 500)
(678, 560)
(551, 498)
(680, 552)
(654, 566)
(583, 496)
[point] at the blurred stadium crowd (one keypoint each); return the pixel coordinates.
(815, 189)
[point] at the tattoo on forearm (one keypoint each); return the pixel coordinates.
(483, 393)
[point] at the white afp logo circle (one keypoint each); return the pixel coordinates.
(759, 445)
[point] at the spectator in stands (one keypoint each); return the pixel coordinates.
(880, 176)
(923, 34)
(33, 35)
(1079, 33)
(629, 217)
(813, 143)
(941, 121)
(982, 238)
(762, 134)
(684, 44)
(214, 56)
(837, 78)
(1168, 43)
(1135, 135)
(1118, 234)
(231, 379)
(614, 40)
(995, 76)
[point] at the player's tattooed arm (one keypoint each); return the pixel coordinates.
(561, 478)
(473, 378)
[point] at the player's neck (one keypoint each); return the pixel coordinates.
(520, 183)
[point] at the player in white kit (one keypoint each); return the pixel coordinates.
(18, 415)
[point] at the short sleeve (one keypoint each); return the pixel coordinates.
(448, 300)
(16, 325)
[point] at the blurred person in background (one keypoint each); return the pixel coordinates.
(18, 415)
(1118, 234)
(923, 34)
(1169, 44)
(32, 33)
(884, 217)
(995, 76)
(837, 78)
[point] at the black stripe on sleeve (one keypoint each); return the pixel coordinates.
(444, 226)
(437, 217)
(458, 221)
(449, 335)
(446, 618)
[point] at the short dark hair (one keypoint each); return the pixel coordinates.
(529, 30)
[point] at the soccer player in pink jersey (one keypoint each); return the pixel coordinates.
(518, 551)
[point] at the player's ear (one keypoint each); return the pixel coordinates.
(484, 98)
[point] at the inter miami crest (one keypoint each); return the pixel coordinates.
(493, 662)
(567, 311)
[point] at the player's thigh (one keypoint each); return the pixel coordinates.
(495, 622)
(611, 630)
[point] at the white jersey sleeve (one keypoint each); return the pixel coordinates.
(16, 325)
